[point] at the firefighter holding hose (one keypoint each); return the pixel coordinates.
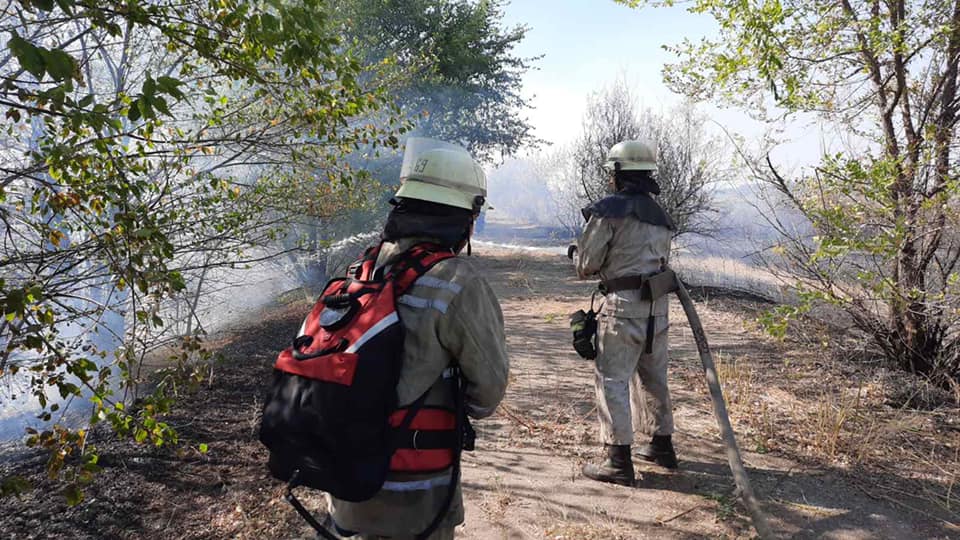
(626, 243)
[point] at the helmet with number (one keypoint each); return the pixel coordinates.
(637, 155)
(445, 176)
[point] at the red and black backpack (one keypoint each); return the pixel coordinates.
(331, 419)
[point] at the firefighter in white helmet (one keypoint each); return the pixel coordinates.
(626, 241)
(451, 317)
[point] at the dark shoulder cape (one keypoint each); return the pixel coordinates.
(638, 205)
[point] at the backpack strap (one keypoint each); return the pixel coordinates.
(464, 440)
(460, 438)
(414, 263)
(404, 437)
(322, 531)
(363, 267)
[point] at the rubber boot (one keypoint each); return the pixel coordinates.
(659, 451)
(617, 469)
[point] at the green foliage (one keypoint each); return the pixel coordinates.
(13, 486)
(450, 72)
(450, 66)
(882, 244)
(147, 143)
(726, 508)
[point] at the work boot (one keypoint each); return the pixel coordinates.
(659, 451)
(617, 469)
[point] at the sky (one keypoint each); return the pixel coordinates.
(587, 44)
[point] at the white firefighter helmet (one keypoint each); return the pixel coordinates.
(443, 173)
(636, 155)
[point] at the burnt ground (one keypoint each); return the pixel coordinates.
(827, 453)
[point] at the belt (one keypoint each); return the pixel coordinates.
(627, 283)
(651, 286)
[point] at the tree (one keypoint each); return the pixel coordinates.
(689, 160)
(450, 67)
(146, 143)
(883, 214)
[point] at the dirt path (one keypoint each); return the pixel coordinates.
(527, 482)
(523, 481)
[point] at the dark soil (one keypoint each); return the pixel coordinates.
(178, 492)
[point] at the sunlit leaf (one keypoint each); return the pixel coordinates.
(73, 494)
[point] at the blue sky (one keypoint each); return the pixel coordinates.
(587, 44)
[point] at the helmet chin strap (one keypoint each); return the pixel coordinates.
(465, 243)
(478, 202)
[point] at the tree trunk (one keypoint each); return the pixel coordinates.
(915, 341)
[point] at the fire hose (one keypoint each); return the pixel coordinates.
(723, 419)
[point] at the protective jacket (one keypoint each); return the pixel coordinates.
(627, 234)
(450, 317)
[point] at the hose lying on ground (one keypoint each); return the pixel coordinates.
(723, 419)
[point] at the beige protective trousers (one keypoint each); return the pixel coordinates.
(628, 378)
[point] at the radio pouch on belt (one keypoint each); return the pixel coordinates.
(660, 284)
(584, 327)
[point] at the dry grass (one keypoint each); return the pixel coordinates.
(840, 414)
(816, 407)
(739, 378)
(497, 501)
(730, 274)
(829, 422)
(519, 277)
